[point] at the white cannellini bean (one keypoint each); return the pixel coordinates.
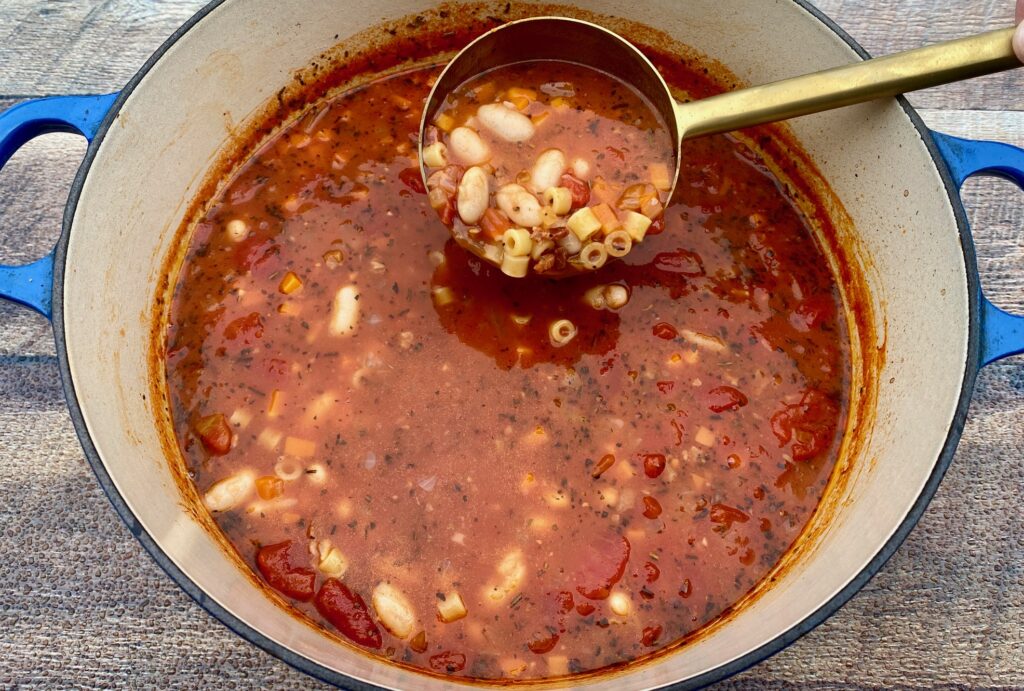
(467, 148)
(237, 229)
(474, 193)
(230, 492)
(504, 122)
(393, 609)
(519, 205)
(619, 603)
(548, 170)
(346, 311)
(512, 569)
(581, 168)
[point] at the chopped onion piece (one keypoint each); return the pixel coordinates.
(451, 608)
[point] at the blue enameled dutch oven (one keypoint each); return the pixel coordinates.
(894, 182)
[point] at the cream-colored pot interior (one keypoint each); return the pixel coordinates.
(168, 134)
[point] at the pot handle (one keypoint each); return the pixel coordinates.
(1002, 334)
(32, 284)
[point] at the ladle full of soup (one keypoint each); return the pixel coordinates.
(551, 145)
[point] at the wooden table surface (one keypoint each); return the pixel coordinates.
(81, 603)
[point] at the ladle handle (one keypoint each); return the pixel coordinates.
(921, 68)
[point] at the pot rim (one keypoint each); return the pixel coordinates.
(303, 664)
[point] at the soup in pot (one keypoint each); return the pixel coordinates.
(492, 477)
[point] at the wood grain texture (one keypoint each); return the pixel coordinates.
(82, 605)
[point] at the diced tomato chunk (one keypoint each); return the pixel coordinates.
(686, 588)
(412, 179)
(601, 565)
(665, 331)
(651, 572)
(215, 433)
(448, 211)
(652, 507)
(681, 262)
(810, 313)
(650, 635)
(255, 253)
(654, 464)
(565, 602)
(542, 642)
(448, 662)
(247, 328)
(726, 515)
(580, 190)
(276, 565)
(348, 613)
(723, 398)
(810, 425)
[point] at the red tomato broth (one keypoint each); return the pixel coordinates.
(410, 431)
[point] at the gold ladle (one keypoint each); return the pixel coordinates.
(573, 40)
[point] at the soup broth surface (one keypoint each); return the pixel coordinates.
(385, 430)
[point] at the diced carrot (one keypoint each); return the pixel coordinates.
(519, 92)
(484, 92)
(602, 191)
(494, 223)
(609, 221)
(269, 487)
(445, 122)
(275, 404)
(290, 283)
(333, 257)
(520, 102)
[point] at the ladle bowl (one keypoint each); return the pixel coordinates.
(585, 43)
